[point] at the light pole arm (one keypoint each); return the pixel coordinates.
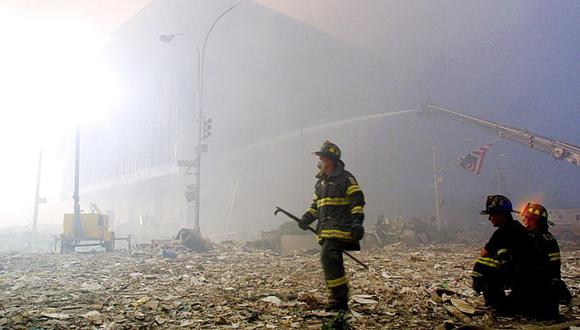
(214, 24)
(202, 54)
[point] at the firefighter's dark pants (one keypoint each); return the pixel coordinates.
(333, 266)
(534, 299)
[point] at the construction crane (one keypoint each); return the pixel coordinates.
(559, 150)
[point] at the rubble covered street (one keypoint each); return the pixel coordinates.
(229, 287)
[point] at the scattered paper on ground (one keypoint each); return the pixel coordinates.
(407, 288)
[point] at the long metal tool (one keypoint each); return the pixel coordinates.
(295, 218)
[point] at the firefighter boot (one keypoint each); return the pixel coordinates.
(338, 299)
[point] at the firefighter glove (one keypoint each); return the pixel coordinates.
(357, 231)
(304, 223)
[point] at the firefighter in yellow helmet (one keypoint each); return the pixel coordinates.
(535, 219)
(337, 204)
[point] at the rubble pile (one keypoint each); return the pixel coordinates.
(234, 287)
(409, 231)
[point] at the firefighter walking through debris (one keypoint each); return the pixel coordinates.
(337, 204)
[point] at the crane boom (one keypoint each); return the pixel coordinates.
(559, 150)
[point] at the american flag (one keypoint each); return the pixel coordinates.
(473, 161)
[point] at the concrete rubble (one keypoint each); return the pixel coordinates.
(233, 287)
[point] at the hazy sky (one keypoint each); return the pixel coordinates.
(103, 15)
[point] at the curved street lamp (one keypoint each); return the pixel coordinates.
(199, 150)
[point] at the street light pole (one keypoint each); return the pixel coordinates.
(199, 150)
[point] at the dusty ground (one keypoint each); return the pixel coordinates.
(233, 288)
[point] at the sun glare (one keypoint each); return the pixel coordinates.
(52, 75)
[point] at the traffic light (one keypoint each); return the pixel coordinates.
(206, 128)
(191, 192)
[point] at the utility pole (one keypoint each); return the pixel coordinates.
(436, 180)
(77, 206)
(37, 200)
(498, 178)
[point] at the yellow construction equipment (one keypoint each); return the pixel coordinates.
(86, 229)
(93, 231)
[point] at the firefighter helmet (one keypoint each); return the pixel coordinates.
(330, 150)
(535, 211)
(497, 204)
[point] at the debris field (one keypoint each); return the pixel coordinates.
(233, 287)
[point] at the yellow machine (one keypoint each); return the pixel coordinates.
(93, 227)
(86, 229)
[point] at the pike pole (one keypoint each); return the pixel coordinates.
(295, 218)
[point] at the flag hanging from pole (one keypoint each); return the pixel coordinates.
(473, 161)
